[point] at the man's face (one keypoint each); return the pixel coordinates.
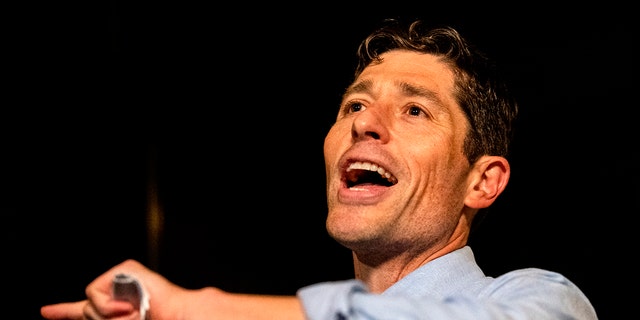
(396, 174)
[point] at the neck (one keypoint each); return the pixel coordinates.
(380, 276)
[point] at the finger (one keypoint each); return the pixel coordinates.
(90, 312)
(100, 295)
(112, 308)
(64, 311)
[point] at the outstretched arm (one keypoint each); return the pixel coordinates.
(169, 301)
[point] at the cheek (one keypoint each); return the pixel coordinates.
(332, 142)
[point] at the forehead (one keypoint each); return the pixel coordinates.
(410, 69)
(411, 64)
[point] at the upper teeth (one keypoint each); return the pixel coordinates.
(372, 167)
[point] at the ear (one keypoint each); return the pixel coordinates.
(487, 179)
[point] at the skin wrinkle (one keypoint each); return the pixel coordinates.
(449, 157)
(433, 167)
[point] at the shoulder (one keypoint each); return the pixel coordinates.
(542, 287)
(535, 275)
(540, 290)
(532, 279)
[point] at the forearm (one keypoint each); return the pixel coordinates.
(212, 303)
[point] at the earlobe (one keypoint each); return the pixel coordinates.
(489, 177)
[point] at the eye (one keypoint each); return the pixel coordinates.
(416, 111)
(353, 107)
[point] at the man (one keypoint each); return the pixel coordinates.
(419, 146)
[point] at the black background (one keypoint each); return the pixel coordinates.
(226, 107)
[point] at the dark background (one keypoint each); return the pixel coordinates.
(224, 110)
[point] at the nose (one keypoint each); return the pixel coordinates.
(370, 124)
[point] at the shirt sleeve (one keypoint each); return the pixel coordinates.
(525, 294)
(330, 300)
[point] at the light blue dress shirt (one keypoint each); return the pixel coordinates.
(452, 287)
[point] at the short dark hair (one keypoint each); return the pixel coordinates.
(480, 91)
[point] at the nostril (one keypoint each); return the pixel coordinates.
(372, 134)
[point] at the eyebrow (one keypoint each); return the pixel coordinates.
(362, 86)
(407, 89)
(411, 90)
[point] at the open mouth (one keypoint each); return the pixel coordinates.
(367, 173)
